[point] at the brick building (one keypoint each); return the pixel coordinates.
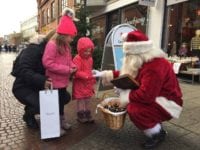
(49, 12)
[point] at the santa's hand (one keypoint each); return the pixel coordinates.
(96, 73)
(124, 97)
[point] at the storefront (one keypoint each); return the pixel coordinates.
(134, 14)
(182, 23)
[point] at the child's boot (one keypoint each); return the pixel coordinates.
(89, 116)
(81, 117)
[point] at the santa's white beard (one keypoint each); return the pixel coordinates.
(131, 65)
(133, 62)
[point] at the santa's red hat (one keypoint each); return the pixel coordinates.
(136, 42)
(66, 24)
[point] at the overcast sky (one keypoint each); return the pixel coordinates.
(12, 12)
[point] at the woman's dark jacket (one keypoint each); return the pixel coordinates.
(32, 72)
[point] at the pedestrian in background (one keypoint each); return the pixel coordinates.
(57, 61)
(83, 81)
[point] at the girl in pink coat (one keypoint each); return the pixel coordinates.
(58, 63)
(83, 82)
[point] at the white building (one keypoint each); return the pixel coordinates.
(29, 28)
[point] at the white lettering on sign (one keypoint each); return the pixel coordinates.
(151, 3)
(172, 2)
(98, 29)
(136, 21)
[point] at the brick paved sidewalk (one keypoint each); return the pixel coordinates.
(183, 134)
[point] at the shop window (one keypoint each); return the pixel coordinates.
(53, 12)
(183, 20)
(44, 18)
(63, 4)
(48, 15)
(136, 16)
(113, 19)
(98, 29)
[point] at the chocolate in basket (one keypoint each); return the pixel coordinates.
(114, 107)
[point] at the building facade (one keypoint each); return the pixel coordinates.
(169, 23)
(29, 28)
(49, 12)
(114, 12)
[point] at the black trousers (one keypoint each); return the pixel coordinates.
(30, 98)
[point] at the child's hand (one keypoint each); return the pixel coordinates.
(73, 70)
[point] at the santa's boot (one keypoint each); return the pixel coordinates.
(154, 139)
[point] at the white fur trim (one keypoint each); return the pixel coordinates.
(124, 97)
(107, 76)
(152, 131)
(37, 39)
(124, 36)
(137, 47)
(170, 106)
(69, 12)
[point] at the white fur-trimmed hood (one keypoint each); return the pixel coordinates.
(37, 39)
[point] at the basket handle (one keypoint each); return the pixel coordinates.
(107, 94)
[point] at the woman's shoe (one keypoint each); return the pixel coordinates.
(30, 121)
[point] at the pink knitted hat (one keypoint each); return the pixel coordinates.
(66, 24)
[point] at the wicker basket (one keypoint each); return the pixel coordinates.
(114, 120)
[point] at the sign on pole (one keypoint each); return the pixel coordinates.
(151, 3)
(113, 52)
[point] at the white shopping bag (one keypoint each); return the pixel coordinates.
(49, 114)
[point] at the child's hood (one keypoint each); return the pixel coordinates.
(84, 43)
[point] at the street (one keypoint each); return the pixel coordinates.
(183, 133)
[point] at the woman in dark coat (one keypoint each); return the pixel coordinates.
(31, 79)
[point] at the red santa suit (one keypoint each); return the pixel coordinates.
(159, 96)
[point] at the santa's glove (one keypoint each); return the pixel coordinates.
(106, 76)
(96, 73)
(124, 97)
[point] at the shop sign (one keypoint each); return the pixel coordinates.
(151, 3)
(134, 21)
(97, 30)
(172, 2)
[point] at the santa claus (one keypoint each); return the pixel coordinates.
(158, 97)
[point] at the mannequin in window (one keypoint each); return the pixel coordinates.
(195, 44)
(173, 50)
(183, 50)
